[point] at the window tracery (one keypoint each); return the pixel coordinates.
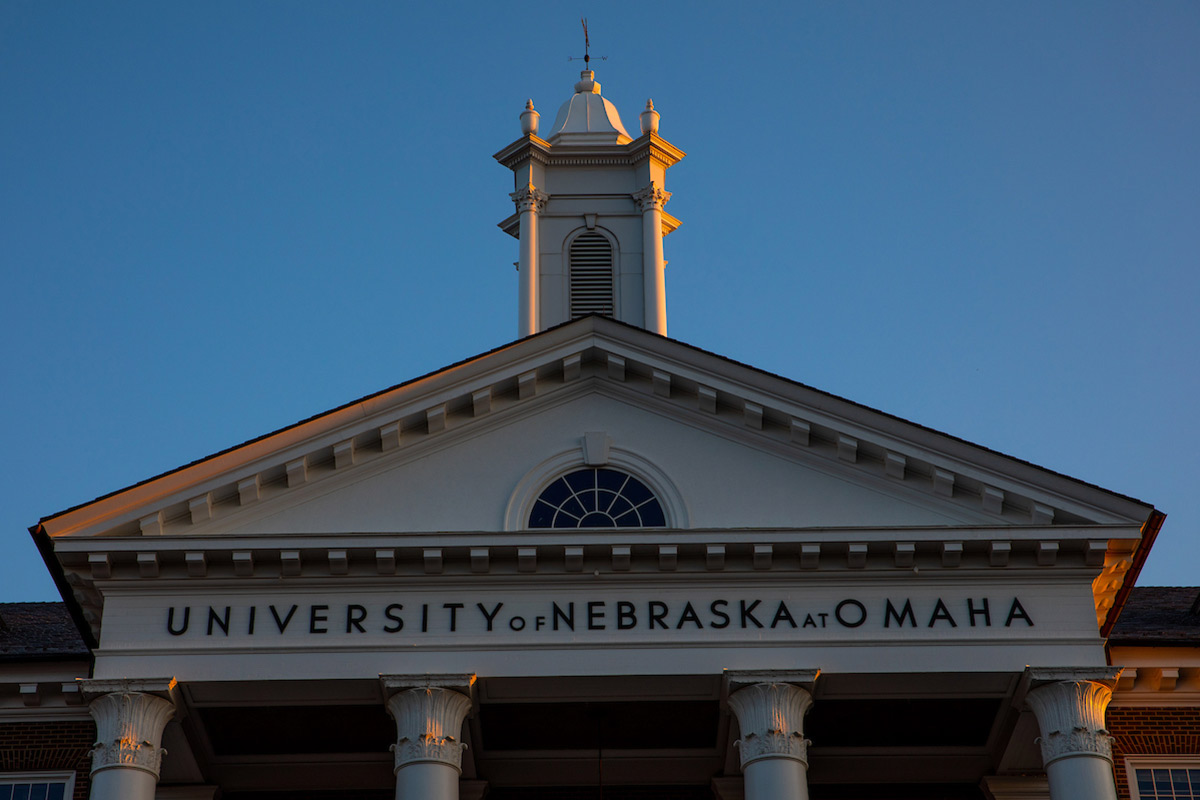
(597, 498)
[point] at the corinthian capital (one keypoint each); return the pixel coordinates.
(1070, 714)
(771, 716)
(529, 198)
(129, 724)
(653, 196)
(428, 722)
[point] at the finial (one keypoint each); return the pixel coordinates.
(529, 119)
(587, 44)
(649, 118)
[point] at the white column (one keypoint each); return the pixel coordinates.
(651, 200)
(1069, 705)
(128, 752)
(428, 748)
(773, 750)
(529, 201)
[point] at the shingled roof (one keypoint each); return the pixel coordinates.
(1159, 615)
(35, 631)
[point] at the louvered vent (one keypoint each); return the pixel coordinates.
(591, 276)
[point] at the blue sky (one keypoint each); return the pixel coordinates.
(219, 218)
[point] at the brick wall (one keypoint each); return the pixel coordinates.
(28, 746)
(1151, 732)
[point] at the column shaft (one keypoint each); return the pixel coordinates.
(654, 285)
(426, 780)
(528, 200)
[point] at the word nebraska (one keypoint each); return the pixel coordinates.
(594, 615)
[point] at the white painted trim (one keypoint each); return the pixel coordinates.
(529, 487)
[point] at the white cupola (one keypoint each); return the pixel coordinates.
(589, 214)
(587, 118)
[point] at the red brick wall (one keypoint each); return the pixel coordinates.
(1151, 732)
(28, 746)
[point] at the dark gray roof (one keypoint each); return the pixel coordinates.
(1162, 615)
(38, 631)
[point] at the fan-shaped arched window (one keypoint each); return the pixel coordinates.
(597, 498)
(591, 278)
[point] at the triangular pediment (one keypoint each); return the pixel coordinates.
(788, 455)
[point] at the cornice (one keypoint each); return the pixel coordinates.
(648, 146)
(98, 568)
(462, 395)
(1170, 685)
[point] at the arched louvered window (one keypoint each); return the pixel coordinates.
(591, 275)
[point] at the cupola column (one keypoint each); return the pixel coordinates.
(429, 711)
(651, 200)
(1069, 705)
(130, 717)
(772, 748)
(529, 201)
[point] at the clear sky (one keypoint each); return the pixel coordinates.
(219, 218)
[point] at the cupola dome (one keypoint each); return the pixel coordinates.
(587, 118)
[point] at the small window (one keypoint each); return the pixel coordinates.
(591, 277)
(1164, 778)
(596, 498)
(36, 785)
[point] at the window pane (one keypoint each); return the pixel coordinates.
(1162, 782)
(1179, 782)
(6, 792)
(541, 517)
(583, 479)
(21, 792)
(1145, 782)
(636, 492)
(56, 791)
(38, 792)
(610, 479)
(652, 515)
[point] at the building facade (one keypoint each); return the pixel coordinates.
(594, 562)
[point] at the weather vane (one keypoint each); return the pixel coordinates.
(587, 45)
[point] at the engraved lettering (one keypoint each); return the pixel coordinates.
(283, 623)
(397, 623)
(221, 622)
(314, 617)
(890, 613)
(689, 615)
(489, 618)
(940, 612)
(187, 615)
(354, 618)
(849, 623)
